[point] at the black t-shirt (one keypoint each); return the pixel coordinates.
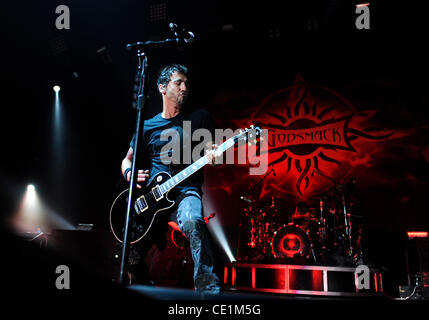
(159, 156)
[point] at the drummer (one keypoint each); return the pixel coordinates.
(301, 211)
(302, 215)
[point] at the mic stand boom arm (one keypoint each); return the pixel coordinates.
(150, 44)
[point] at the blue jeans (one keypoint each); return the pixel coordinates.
(191, 222)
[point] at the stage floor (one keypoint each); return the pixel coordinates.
(171, 293)
(236, 304)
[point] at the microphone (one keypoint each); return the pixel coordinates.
(181, 33)
(246, 199)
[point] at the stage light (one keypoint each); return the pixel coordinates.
(31, 194)
(33, 215)
(57, 135)
(57, 111)
(28, 216)
(57, 88)
(417, 234)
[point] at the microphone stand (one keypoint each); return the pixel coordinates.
(140, 106)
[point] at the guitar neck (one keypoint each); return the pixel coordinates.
(194, 167)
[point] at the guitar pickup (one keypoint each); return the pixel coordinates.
(157, 193)
(140, 205)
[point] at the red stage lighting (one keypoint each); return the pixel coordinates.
(417, 234)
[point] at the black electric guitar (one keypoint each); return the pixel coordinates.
(154, 199)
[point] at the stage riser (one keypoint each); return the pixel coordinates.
(295, 279)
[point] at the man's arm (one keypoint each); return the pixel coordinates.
(142, 176)
(213, 155)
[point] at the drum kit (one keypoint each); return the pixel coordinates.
(329, 233)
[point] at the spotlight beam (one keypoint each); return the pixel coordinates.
(33, 215)
(217, 231)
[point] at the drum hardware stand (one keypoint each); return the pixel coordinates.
(322, 230)
(237, 253)
(347, 220)
(358, 257)
(256, 236)
(347, 223)
(314, 255)
(323, 220)
(252, 242)
(321, 217)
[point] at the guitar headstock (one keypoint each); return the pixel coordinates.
(250, 135)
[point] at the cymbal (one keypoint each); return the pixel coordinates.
(271, 199)
(321, 197)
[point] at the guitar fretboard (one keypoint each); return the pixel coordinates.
(194, 167)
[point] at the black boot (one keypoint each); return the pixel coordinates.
(137, 270)
(205, 279)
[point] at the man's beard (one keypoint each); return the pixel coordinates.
(182, 103)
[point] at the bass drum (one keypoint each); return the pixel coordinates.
(291, 241)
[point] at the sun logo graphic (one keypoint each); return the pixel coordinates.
(314, 135)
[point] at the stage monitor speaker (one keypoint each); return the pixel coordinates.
(386, 250)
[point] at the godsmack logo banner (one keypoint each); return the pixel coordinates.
(315, 137)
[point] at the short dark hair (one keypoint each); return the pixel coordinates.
(302, 207)
(165, 74)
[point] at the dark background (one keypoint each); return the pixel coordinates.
(269, 43)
